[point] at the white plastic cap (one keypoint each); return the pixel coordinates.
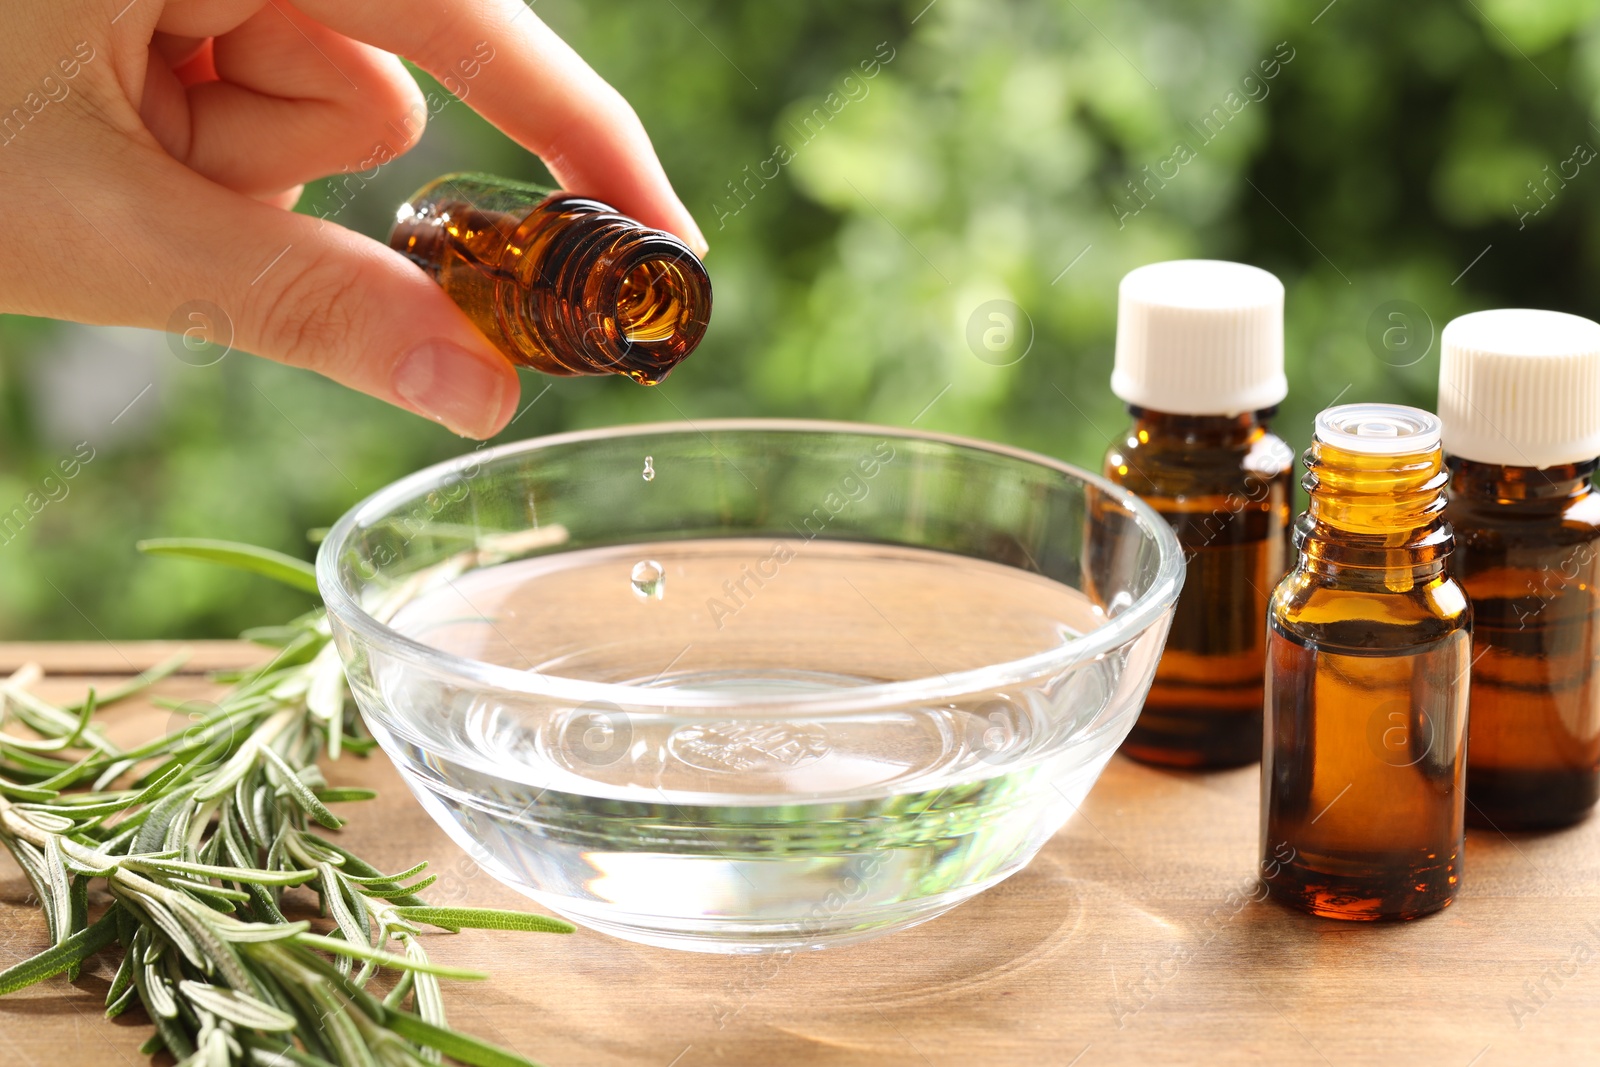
(1378, 429)
(1520, 388)
(1200, 337)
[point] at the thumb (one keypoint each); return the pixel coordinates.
(301, 291)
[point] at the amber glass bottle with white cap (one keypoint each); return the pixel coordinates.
(1519, 396)
(1369, 642)
(1199, 362)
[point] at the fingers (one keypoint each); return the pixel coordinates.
(277, 101)
(295, 289)
(200, 19)
(534, 87)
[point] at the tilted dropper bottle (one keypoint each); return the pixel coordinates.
(559, 283)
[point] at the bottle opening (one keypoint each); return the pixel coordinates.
(1378, 429)
(661, 306)
(650, 304)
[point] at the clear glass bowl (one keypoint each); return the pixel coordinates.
(752, 685)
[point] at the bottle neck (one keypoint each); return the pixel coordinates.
(1525, 490)
(1228, 432)
(1374, 520)
(601, 293)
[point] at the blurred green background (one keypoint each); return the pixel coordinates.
(1401, 165)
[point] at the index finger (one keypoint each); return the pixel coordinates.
(536, 89)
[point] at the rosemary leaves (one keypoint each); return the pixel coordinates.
(195, 837)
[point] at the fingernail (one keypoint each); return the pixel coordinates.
(451, 385)
(697, 240)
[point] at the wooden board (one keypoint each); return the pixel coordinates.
(1134, 938)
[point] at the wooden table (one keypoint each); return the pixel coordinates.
(1134, 938)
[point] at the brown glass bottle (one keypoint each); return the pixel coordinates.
(1369, 645)
(1223, 483)
(1528, 553)
(1519, 401)
(560, 283)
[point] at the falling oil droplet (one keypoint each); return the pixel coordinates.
(649, 470)
(649, 580)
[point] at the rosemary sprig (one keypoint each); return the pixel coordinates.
(195, 837)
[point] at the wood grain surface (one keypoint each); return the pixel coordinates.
(1134, 938)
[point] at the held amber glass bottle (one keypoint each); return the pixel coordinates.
(1519, 397)
(1369, 644)
(1199, 362)
(559, 283)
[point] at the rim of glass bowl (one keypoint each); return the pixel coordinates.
(1137, 617)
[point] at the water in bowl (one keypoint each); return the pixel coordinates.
(748, 830)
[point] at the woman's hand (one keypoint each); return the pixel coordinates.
(149, 151)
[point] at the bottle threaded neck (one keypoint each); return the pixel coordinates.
(1386, 497)
(1376, 480)
(617, 297)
